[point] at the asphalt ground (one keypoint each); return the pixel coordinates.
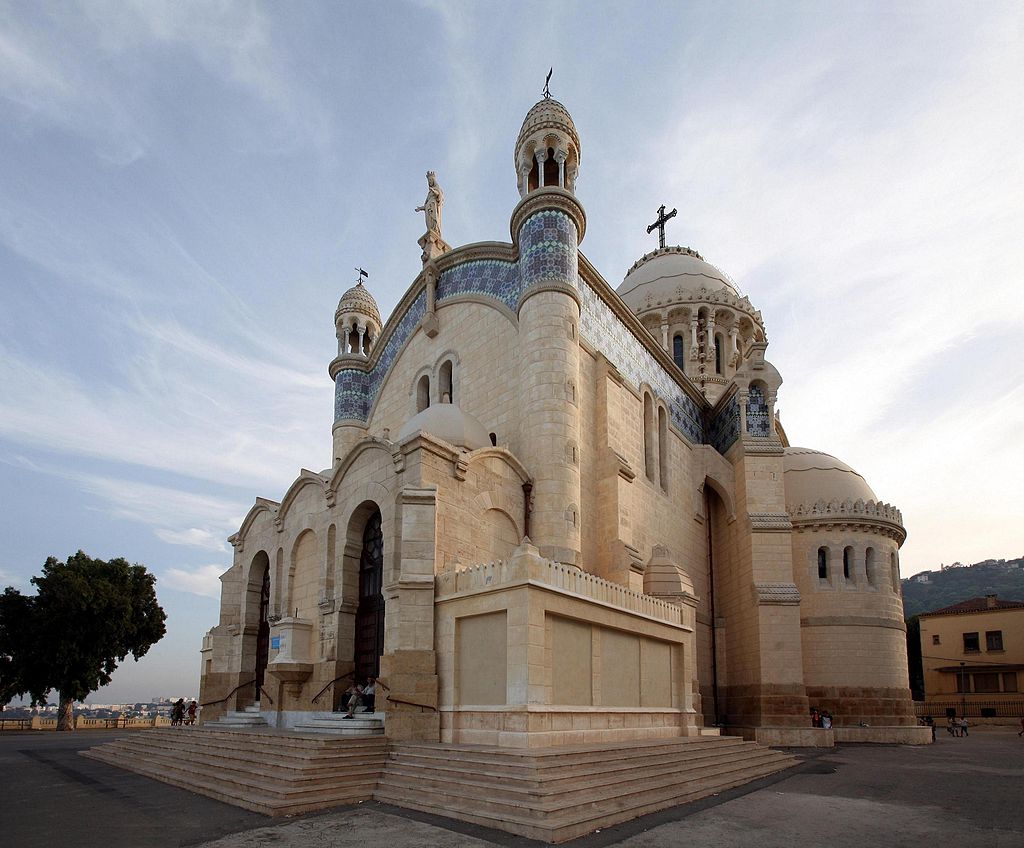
(967, 793)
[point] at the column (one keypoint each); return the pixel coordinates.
(694, 345)
(560, 157)
(542, 156)
(362, 331)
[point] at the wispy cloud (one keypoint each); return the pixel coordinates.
(202, 580)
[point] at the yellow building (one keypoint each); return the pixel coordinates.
(973, 655)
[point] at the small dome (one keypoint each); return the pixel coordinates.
(548, 114)
(359, 301)
(448, 422)
(811, 476)
(671, 275)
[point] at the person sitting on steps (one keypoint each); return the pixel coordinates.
(353, 695)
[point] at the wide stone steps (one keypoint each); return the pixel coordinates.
(559, 795)
(362, 724)
(271, 773)
(552, 794)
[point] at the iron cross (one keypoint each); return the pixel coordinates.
(660, 224)
(363, 273)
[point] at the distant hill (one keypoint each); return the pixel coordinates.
(932, 590)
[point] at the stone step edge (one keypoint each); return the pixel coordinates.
(279, 760)
(243, 789)
(561, 831)
(553, 803)
(570, 770)
(286, 772)
(307, 742)
(543, 787)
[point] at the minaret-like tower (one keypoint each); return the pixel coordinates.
(547, 227)
(357, 325)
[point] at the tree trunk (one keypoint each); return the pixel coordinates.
(66, 713)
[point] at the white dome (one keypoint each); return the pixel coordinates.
(448, 422)
(812, 475)
(672, 275)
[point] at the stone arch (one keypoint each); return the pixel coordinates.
(447, 370)
(303, 577)
(255, 652)
(361, 447)
(419, 391)
(262, 507)
(305, 478)
(499, 501)
(356, 611)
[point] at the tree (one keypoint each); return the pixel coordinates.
(87, 615)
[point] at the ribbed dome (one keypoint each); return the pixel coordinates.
(812, 475)
(548, 114)
(671, 275)
(448, 422)
(359, 301)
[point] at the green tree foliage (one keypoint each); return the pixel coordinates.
(87, 616)
(959, 583)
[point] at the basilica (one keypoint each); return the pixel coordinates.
(565, 512)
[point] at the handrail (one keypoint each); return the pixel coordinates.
(329, 685)
(232, 692)
(265, 692)
(411, 704)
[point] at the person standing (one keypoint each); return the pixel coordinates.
(192, 714)
(178, 712)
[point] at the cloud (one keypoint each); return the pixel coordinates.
(201, 580)
(194, 537)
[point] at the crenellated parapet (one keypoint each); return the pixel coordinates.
(849, 513)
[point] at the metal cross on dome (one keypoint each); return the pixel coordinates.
(660, 224)
(547, 82)
(363, 273)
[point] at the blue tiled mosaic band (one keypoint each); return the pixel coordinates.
(355, 391)
(757, 413)
(486, 277)
(548, 249)
(725, 427)
(600, 326)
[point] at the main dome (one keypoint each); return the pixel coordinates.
(671, 275)
(812, 475)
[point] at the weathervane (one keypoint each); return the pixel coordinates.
(660, 224)
(547, 90)
(363, 273)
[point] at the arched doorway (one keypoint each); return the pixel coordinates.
(369, 641)
(263, 631)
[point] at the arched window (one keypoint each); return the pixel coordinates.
(663, 447)
(823, 563)
(870, 565)
(423, 393)
(648, 436)
(677, 351)
(447, 385)
(847, 562)
(719, 352)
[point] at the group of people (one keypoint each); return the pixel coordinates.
(821, 718)
(956, 726)
(360, 695)
(180, 715)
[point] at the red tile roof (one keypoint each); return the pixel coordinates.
(976, 605)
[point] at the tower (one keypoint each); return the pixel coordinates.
(547, 226)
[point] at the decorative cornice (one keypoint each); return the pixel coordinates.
(872, 516)
(770, 522)
(777, 594)
(499, 250)
(853, 621)
(548, 198)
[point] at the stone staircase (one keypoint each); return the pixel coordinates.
(268, 771)
(551, 794)
(559, 794)
(248, 718)
(335, 724)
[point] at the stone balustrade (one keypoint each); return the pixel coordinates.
(525, 567)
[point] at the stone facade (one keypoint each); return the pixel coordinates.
(594, 528)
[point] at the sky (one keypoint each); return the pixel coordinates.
(186, 187)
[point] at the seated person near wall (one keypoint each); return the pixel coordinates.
(351, 698)
(369, 693)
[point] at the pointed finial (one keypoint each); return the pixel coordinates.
(547, 90)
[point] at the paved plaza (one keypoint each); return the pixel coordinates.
(959, 792)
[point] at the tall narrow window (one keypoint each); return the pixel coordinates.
(870, 566)
(447, 385)
(648, 436)
(677, 351)
(847, 563)
(422, 393)
(719, 345)
(823, 563)
(663, 447)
